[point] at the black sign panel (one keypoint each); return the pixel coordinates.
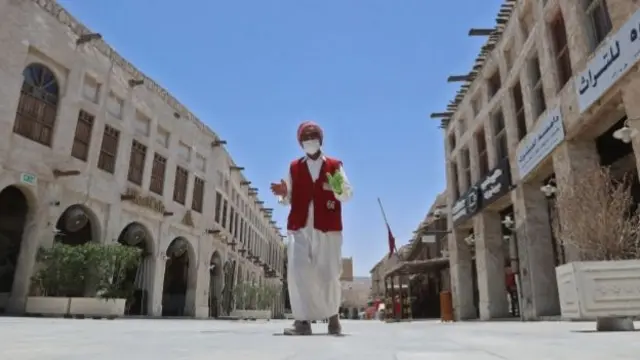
(492, 187)
(467, 205)
(496, 184)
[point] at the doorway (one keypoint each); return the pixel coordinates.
(176, 278)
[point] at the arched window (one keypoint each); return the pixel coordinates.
(38, 104)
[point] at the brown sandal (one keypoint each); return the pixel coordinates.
(334, 325)
(299, 328)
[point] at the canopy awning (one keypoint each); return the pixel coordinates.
(418, 267)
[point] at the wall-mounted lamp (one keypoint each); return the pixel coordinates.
(549, 189)
(438, 213)
(245, 183)
(85, 38)
(508, 222)
(626, 133)
(236, 168)
(470, 240)
(218, 143)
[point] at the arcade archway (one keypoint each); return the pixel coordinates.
(77, 226)
(138, 280)
(215, 284)
(229, 272)
(14, 209)
(176, 277)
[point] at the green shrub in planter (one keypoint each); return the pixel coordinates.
(266, 297)
(240, 295)
(65, 270)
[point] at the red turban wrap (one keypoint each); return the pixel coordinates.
(308, 124)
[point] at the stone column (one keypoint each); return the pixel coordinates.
(191, 297)
(461, 276)
(571, 160)
(158, 264)
(490, 258)
(538, 285)
(201, 290)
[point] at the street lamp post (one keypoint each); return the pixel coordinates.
(510, 225)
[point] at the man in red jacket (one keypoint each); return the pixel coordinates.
(315, 189)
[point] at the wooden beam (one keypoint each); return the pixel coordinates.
(481, 32)
(457, 78)
(441, 115)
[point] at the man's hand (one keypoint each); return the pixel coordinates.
(336, 181)
(279, 189)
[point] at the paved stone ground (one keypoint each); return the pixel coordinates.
(53, 339)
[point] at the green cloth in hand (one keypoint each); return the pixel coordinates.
(336, 181)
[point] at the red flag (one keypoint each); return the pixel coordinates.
(392, 241)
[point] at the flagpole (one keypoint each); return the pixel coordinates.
(384, 216)
(386, 222)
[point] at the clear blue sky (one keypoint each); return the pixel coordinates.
(368, 71)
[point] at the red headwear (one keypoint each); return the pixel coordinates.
(308, 124)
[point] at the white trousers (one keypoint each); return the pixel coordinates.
(314, 269)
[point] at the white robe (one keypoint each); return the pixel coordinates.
(315, 260)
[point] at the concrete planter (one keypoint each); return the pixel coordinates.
(252, 314)
(599, 290)
(97, 307)
(52, 306)
(45, 305)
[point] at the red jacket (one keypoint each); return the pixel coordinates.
(510, 280)
(327, 210)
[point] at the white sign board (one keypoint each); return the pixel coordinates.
(540, 142)
(30, 179)
(614, 57)
(459, 209)
(429, 239)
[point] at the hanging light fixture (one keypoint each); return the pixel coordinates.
(625, 133)
(470, 240)
(549, 190)
(508, 222)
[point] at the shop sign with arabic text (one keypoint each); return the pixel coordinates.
(547, 134)
(615, 56)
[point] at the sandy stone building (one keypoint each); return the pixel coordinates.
(356, 292)
(554, 93)
(94, 150)
(347, 269)
(380, 269)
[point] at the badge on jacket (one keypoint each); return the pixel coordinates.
(331, 205)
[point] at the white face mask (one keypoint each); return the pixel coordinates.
(311, 147)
